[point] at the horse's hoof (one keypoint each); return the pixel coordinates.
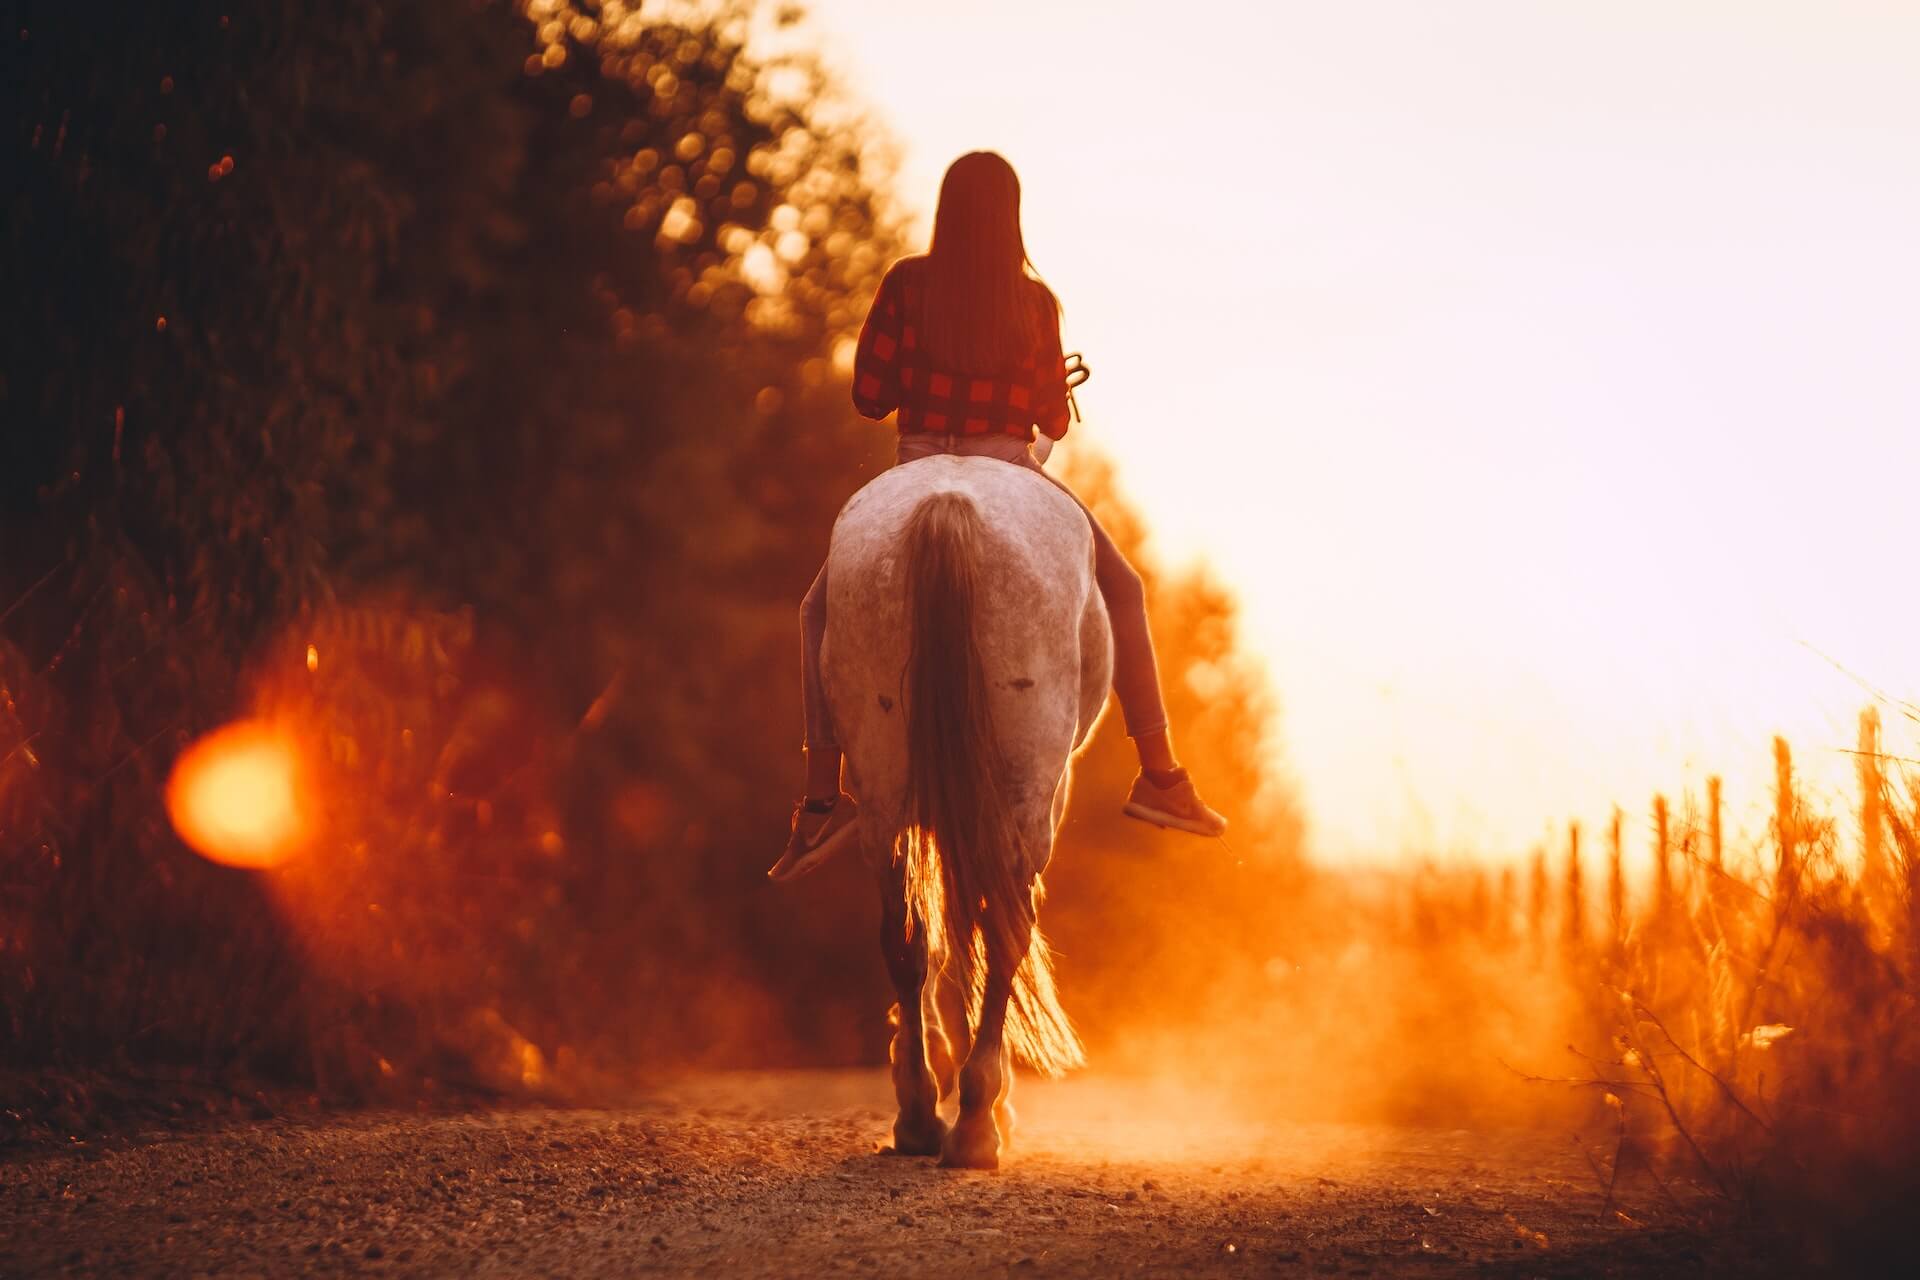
(922, 1138)
(971, 1148)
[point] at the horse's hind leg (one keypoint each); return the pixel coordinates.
(1003, 1115)
(918, 1130)
(943, 1051)
(974, 1141)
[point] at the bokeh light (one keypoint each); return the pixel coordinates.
(234, 796)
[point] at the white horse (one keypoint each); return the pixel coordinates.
(967, 658)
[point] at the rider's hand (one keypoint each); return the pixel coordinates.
(1042, 446)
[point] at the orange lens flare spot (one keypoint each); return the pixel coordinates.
(235, 796)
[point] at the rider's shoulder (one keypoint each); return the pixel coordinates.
(904, 280)
(908, 268)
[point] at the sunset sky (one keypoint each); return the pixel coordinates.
(1542, 377)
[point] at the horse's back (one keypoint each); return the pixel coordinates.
(1028, 518)
(1034, 597)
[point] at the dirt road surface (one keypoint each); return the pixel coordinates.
(778, 1175)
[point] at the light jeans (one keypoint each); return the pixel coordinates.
(1136, 673)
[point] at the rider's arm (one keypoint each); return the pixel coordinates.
(876, 368)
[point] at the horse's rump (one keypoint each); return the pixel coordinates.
(954, 664)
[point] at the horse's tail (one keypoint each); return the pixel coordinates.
(965, 869)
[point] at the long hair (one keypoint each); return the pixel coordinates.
(982, 307)
(962, 844)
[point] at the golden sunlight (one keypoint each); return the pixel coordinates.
(1500, 358)
(235, 796)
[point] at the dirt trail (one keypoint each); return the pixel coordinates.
(777, 1175)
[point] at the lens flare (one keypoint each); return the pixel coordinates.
(234, 796)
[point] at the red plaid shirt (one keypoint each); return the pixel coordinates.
(891, 370)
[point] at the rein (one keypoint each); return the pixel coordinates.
(1077, 374)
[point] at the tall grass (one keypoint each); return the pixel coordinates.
(1728, 1023)
(1751, 1027)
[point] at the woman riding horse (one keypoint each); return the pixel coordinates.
(964, 343)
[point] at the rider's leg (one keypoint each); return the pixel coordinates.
(1163, 793)
(823, 753)
(1156, 751)
(823, 821)
(1136, 671)
(823, 772)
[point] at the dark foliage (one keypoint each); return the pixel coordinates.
(322, 323)
(464, 393)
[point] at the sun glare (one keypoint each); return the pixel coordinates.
(235, 797)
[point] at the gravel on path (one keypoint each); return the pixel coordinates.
(778, 1174)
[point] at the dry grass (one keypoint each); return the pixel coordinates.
(1759, 1019)
(1725, 1022)
(1735, 1030)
